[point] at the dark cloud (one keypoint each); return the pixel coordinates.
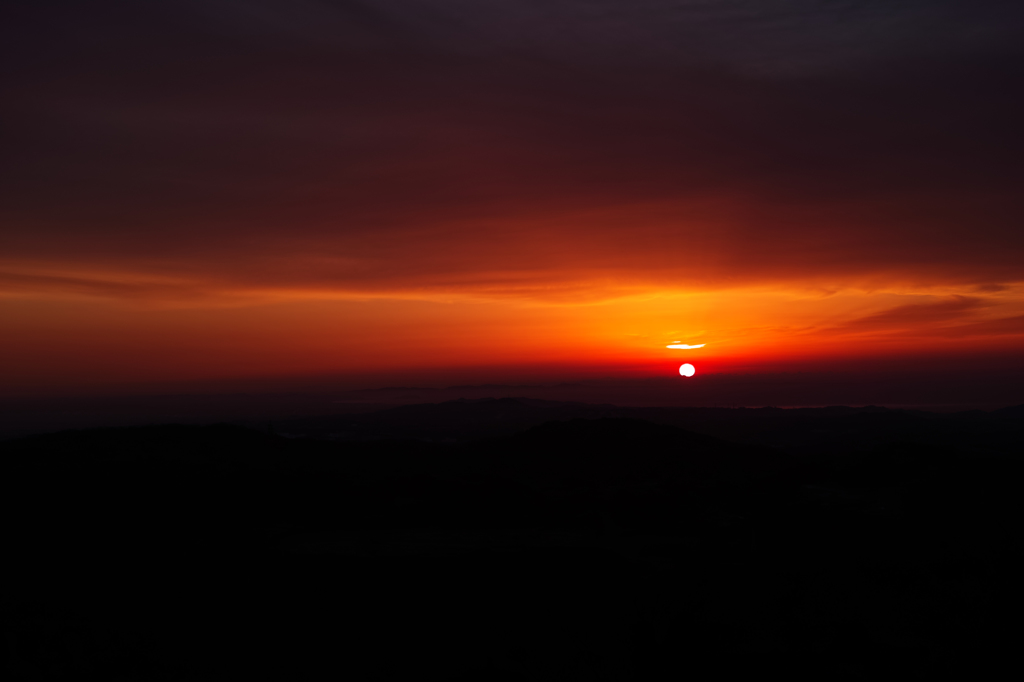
(14, 283)
(918, 315)
(514, 146)
(991, 288)
(1003, 326)
(768, 37)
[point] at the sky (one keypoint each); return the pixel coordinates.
(195, 192)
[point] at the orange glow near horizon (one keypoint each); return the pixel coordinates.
(58, 343)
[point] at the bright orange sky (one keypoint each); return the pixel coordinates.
(59, 341)
(211, 194)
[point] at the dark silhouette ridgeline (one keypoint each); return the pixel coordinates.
(599, 548)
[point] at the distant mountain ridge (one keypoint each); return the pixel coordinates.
(155, 552)
(794, 429)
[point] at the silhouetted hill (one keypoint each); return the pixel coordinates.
(451, 421)
(622, 451)
(608, 547)
(809, 431)
(1015, 412)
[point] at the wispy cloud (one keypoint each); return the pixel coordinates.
(917, 315)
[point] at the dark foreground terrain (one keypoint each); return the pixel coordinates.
(518, 540)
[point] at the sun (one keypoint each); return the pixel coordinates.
(687, 370)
